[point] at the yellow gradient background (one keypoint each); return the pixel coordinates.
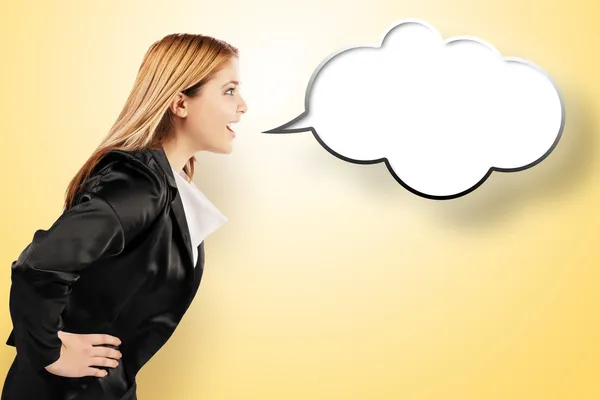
(331, 281)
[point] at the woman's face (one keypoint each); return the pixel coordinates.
(209, 116)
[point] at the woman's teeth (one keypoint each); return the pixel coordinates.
(229, 126)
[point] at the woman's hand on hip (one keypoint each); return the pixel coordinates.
(79, 353)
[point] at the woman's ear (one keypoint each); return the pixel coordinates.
(178, 105)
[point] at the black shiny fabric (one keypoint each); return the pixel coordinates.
(118, 262)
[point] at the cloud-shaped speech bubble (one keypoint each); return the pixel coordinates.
(442, 114)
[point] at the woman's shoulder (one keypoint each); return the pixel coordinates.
(131, 182)
(133, 162)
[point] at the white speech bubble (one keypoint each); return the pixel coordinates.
(442, 114)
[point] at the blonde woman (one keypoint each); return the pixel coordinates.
(95, 296)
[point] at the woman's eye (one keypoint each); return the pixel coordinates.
(231, 89)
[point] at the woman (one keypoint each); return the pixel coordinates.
(95, 296)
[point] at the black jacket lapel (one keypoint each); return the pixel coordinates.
(176, 204)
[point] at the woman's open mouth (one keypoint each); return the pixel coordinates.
(229, 128)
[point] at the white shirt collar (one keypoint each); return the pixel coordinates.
(202, 216)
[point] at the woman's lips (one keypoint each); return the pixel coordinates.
(231, 130)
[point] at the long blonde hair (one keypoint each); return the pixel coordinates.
(177, 62)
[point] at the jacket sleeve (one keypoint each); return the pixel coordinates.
(123, 200)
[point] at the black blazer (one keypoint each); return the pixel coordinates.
(118, 262)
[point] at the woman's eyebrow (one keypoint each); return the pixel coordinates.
(234, 82)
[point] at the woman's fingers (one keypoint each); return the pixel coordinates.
(91, 350)
(102, 338)
(99, 351)
(103, 362)
(89, 371)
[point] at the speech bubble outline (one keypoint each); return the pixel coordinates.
(282, 129)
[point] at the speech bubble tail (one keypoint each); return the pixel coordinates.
(279, 129)
(292, 126)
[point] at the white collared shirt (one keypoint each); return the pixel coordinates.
(202, 217)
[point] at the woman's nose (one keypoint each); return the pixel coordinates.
(243, 106)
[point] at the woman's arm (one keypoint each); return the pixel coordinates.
(123, 201)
